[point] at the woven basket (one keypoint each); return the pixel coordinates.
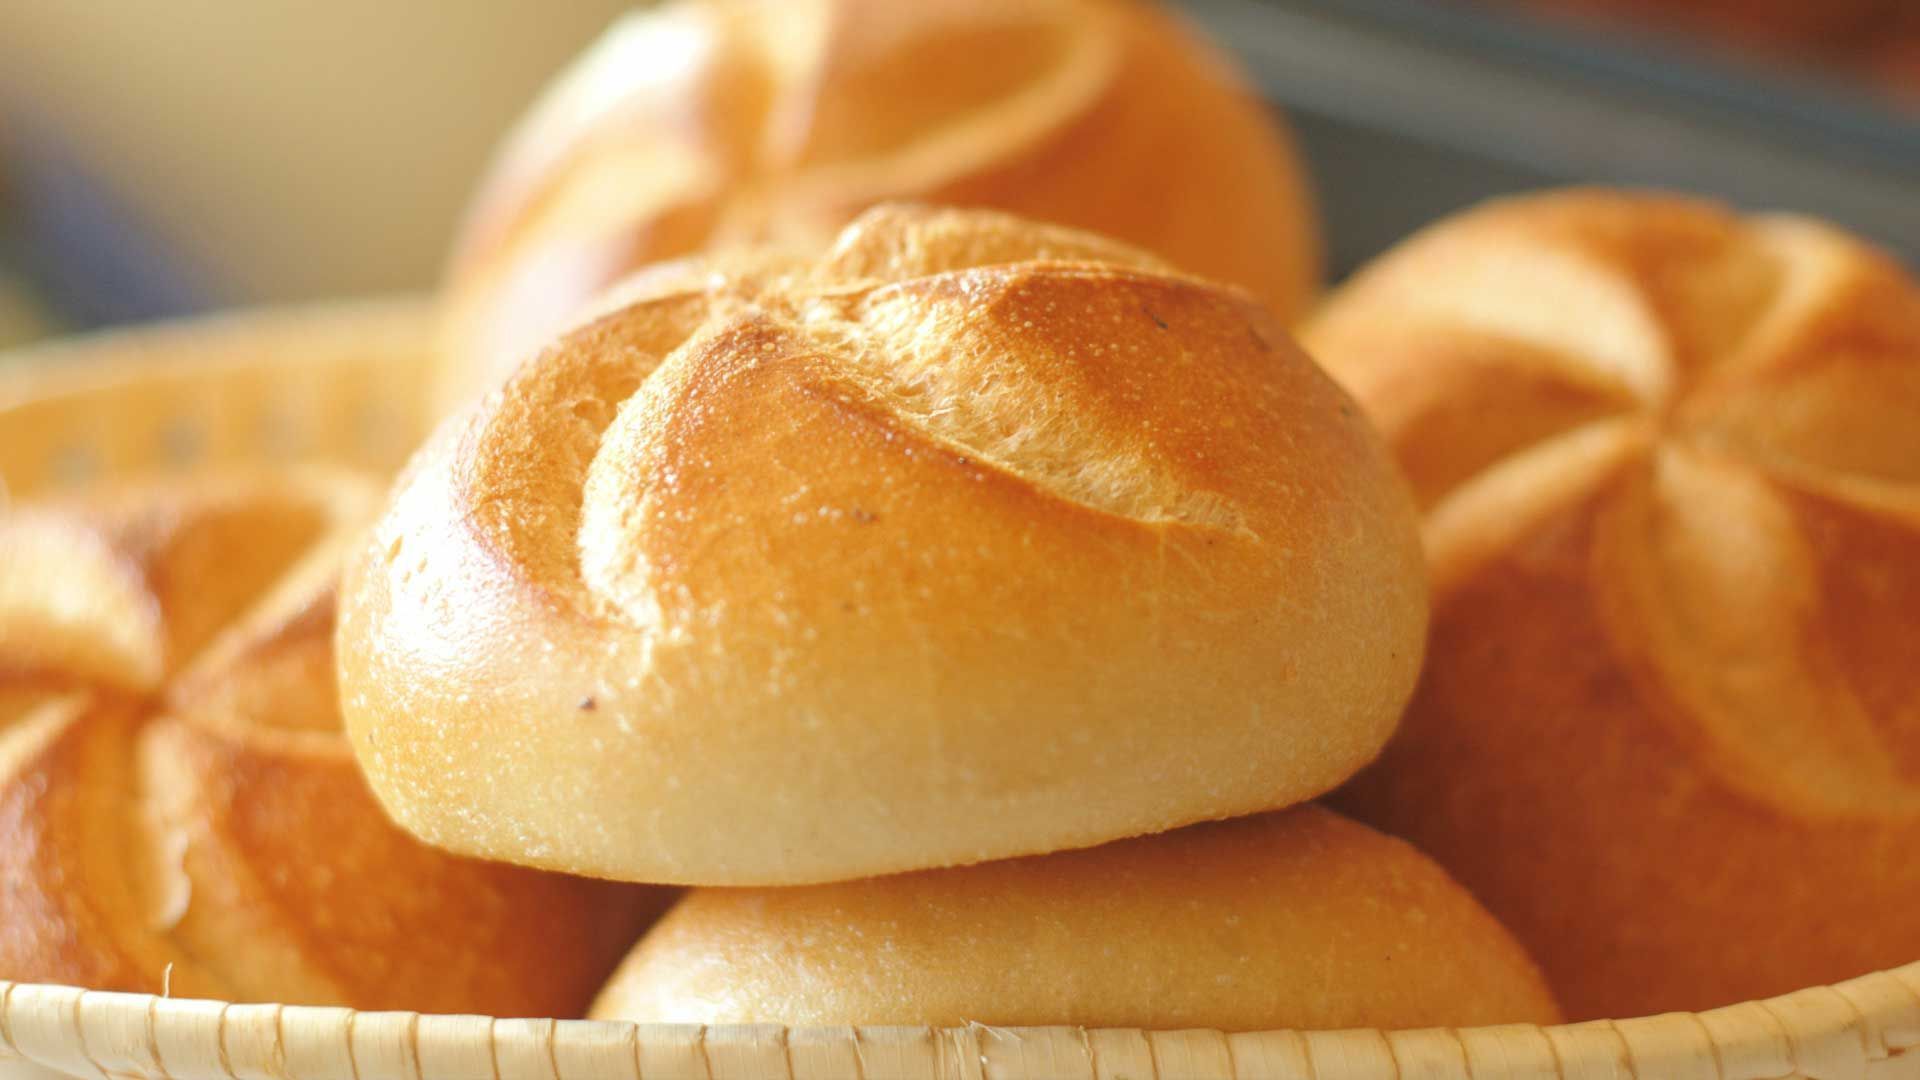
(341, 384)
(346, 385)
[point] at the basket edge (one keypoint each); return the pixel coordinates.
(73, 362)
(1868, 1027)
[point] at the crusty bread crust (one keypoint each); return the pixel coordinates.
(1669, 729)
(969, 539)
(1300, 919)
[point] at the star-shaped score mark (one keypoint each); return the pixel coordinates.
(1718, 419)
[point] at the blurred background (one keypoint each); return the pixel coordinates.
(158, 158)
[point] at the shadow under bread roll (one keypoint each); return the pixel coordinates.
(179, 811)
(969, 538)
(1299, 919)
(1669, 726)
(702, 125)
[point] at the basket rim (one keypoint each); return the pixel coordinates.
(1866, 1026)
(68, 363)
(332, 380)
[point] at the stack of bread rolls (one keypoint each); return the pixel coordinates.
(949, 538)
(966, 610)
(964, 539)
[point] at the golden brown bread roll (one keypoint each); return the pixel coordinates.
(1669, 728)
(178, 809)
(1300, 919)
(948, 546)
(708, 124)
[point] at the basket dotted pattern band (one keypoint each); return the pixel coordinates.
(1865, 1029)
(346, 385)
(337, 384)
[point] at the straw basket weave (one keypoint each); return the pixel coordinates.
(346, 385)
(340, 384)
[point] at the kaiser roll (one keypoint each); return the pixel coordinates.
(1300, 919)
(970, 539)
(178, 809)
(1669, 728)
(707, 123)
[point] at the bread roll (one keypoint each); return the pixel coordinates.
(707, 124)
(1892, 61)
(950, 546)
(178, 810)
(1301, 919)
(1669, 729)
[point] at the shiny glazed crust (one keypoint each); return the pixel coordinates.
(1300, 919)
(705, 124)
(178, 809)
(1669, 728)
(970, 539)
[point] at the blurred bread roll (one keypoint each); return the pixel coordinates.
(1669, 727)
(970, 538)
(1892, 62)
(178, 809)
(706, 124)
(1301, 919)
